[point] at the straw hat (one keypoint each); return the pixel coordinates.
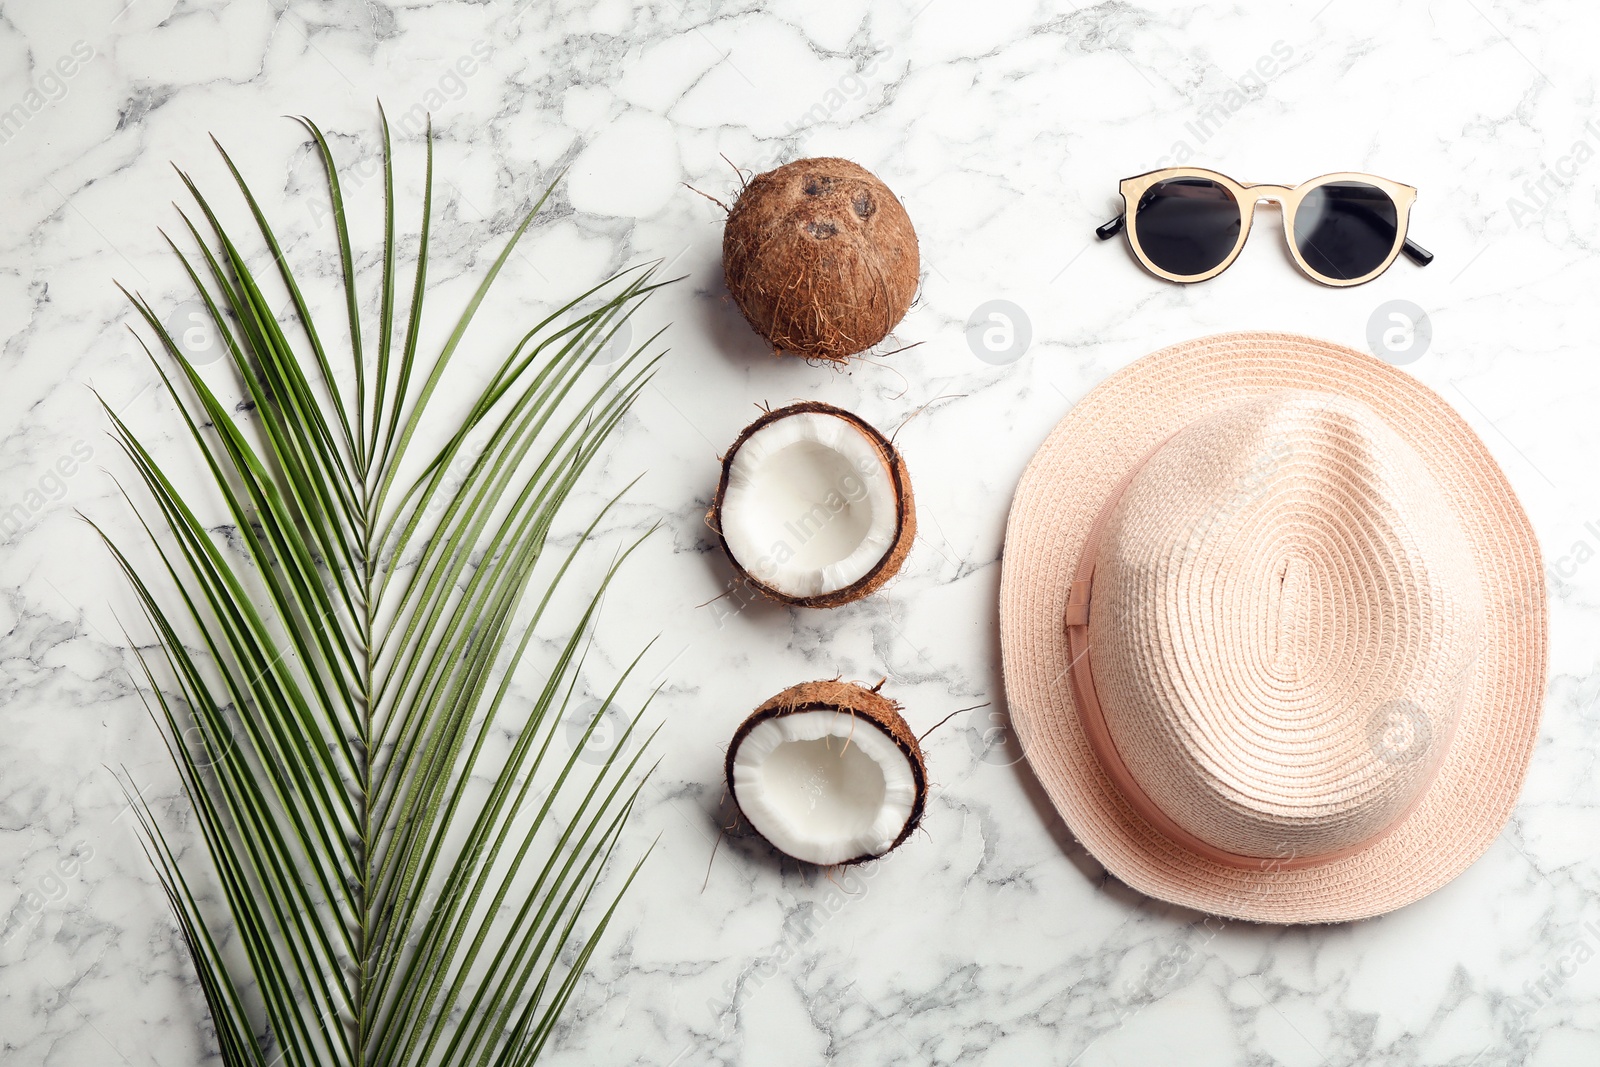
(1273, 625)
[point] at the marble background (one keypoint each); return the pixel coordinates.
(1004, 126)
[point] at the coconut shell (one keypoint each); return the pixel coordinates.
(905, 533)
(852, 699)
(821, 258)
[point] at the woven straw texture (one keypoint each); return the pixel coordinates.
(1318, 627)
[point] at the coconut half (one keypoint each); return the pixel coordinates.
(814, 507)
(829, 773)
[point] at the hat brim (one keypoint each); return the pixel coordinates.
(1059, 495)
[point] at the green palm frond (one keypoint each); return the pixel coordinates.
(405, 856)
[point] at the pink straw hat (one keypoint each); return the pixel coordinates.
(1273, 625)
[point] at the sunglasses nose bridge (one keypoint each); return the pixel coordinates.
(1263, 194)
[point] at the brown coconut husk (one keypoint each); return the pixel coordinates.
(846, 698)
(905, 533)
(821, 258)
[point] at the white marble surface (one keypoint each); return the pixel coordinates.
(991, 937)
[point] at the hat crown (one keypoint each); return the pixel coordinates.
(1284, 620)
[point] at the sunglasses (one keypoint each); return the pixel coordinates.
(1187, 224)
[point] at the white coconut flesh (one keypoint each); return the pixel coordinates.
(824, 786)
(810, 506)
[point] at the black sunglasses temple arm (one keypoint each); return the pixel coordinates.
(1114, 227)
(1416, 253)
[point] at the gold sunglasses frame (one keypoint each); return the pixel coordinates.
(1247, 195)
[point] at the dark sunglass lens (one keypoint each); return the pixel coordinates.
(1187, 225)
(1346, 229)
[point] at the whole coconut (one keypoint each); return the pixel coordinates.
(820, 257)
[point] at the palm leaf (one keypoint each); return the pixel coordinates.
(384, 880)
